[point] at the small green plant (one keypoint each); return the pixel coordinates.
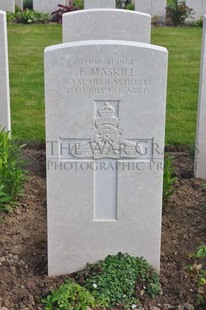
(198, 272)
(130, 6)
(177, 13)
(120, 280)
(79, 4)
(203, 186)
(169, 179)
(70, 296)
(12, 175)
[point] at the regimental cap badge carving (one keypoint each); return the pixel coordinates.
(106, 110)
(108, 141)
(106, 113)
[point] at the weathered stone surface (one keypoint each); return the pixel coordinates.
(4, 75)
(106, 24)
(19, 3)
(7, 5)
(105, 112)
(98, 4)
(200, 154)
(152, 7)
(47, 6)
(199, 7)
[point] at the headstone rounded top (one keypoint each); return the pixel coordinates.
(106, 24)
(115, 11)
(104, 42)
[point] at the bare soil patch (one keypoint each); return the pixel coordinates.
(23, 242)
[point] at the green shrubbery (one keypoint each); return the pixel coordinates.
(198, 272)
(118, 280)
(177, 13)
(70, 296)
(28, 17)
(12, 175)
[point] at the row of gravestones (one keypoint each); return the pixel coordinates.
(153, 7)
(199, 7)
(105, 98)
(105, 95)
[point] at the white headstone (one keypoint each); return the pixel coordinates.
(200, 156)
(47, 6)
(5, 121)
(199, 7)
(7, 5)
(105, 113)
(106, 24)
(97, 4)
(20, 4)
(152, 7)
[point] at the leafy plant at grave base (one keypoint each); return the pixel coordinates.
(17, 9)
(69, 296)
(12, 175)
(11, 17)
(29, 17)
(176, 13)
(199, 22)
(130, 6)
(198, 272)
(120, 280)
(203, 186)
(79, 4)
(57, 15)
(169, 179)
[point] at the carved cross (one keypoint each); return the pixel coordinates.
(111, 148)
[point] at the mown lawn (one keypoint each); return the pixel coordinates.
(184, 46)
(26, 52)
(26, 46)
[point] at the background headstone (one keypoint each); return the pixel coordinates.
(106, 24)
(199, 7)
(200, 156)
(20, 4)
(7, 5)
(4, 75)
(97, 4)
(47, 6)
(101, 202)
(152, 7)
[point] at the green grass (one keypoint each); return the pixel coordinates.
(26, 50)
(183, 45)
(26, 46)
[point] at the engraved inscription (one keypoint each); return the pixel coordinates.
(106, 76)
